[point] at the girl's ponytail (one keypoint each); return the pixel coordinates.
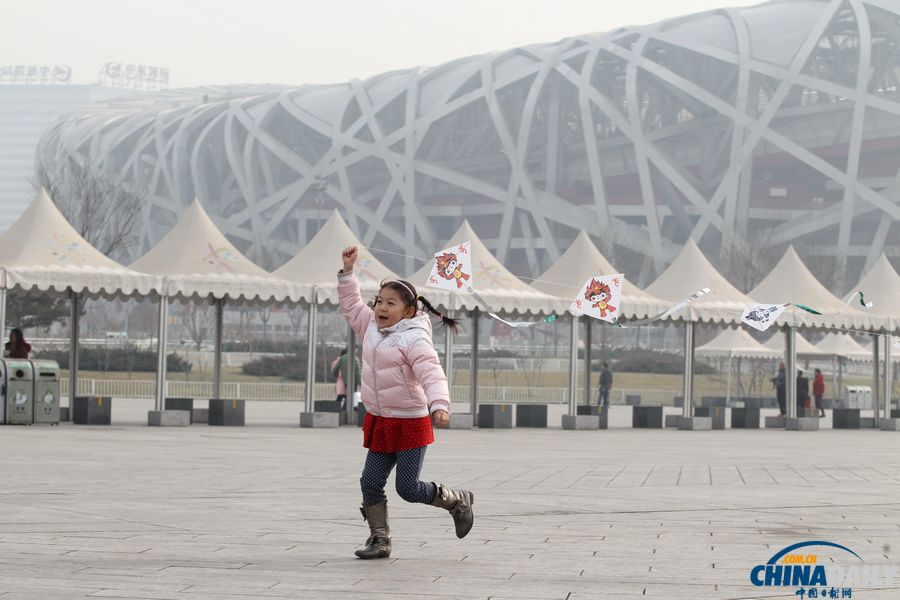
(452, 324)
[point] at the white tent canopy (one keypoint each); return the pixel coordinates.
(841, 344)
(317, 264)
(736, 343)
(791, 281)
(689, 272)
(493, 282)
(582, 260)
(42, 250)
(198, 261)
(881, 286)
(804, 347)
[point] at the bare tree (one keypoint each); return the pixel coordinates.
(142, 319)
(493, 364)
(265, 313)
(249, 334)
(198, 320)
(296, 316)
(760, 376)
(827, 270)
(97, 205)
(746, 262)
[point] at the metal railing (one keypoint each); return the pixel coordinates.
(511, 395)
(146, 388)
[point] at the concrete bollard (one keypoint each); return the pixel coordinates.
(802, 424)
(890, 424)
(168, 418)
(695, 424)
(581, 421)
(775, 422)
(460, 421)
(320, 420)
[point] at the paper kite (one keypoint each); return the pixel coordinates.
(600, 297)
(452, 269)
(762, 316)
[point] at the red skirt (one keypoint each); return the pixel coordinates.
(390, 435)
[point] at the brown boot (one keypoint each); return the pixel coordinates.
(459, 503)
(379, 543)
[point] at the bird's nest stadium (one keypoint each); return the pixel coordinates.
(746, 128)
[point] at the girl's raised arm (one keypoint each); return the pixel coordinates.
(358, 315)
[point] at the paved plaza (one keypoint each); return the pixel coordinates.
(270, 511)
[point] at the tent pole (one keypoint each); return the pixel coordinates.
(790, 372)
(587, 360)
(728, 385)
(161, 353)
(3, 309)
(448, 348)
(573, 366)
(888, 376)
(833, 379)
(876, 395)
(688, 389)
(311, 351)
(74, 329)
(474, 390)
(840, 362)
(217, 359)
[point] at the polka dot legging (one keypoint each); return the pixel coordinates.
(409, 465)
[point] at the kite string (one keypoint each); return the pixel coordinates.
(851, 330)
(382, 250)
(522, 277)
(656, 317)
(849, 299)
(478, 298)
(490, 311)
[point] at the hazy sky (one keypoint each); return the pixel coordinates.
(299, 41)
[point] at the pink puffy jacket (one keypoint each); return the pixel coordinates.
(401, 374)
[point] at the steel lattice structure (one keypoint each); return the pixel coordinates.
(774, 123)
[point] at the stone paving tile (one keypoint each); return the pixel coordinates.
(270, 511)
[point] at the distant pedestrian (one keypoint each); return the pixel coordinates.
(802, 392)
(340, 389)
(16, 347)
(819, 391)
(606, 381)
(339, 369)
(779, 382)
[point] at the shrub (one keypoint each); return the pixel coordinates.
(266, 345)
(293, 366)
(488, 353)
(127, 359)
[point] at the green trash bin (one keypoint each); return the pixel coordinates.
(19, 392)
(46, 391)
